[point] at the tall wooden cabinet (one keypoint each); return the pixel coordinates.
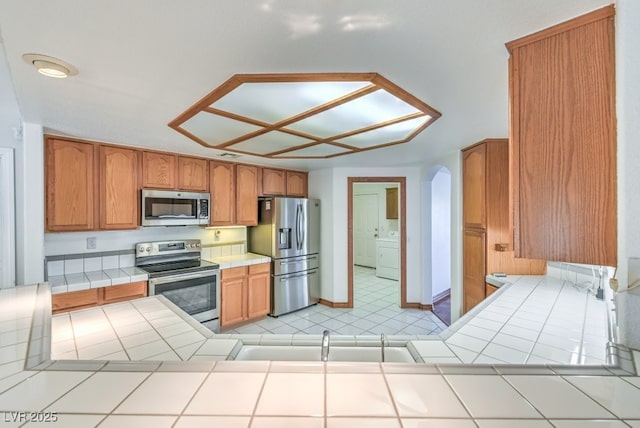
(222, 188)
(70, 183)
(563, 135)
(487, 241)
(118, 182)
(246, 195)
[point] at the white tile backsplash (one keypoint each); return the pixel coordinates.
(92, 264)
(110, 262)
(55, 268)
(73, 266)
(127, 260)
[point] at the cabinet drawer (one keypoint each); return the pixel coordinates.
(259, 268)
(75, 300)
(118, 293)
(235, 272)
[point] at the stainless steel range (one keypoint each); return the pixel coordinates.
(177, 272)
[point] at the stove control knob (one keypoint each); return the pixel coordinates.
(148, 249)
(197, 245)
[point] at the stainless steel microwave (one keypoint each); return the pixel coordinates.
(174, 208)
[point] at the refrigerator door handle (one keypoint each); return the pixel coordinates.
(299, 225)
(297, 276)
(298, 261)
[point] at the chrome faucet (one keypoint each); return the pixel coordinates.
(324, 355)
(382, 345)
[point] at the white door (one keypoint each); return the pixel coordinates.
(365, 229)
(7, 223)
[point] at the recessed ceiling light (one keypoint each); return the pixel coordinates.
(50, 66)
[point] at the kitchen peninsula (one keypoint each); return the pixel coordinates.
(260, 393)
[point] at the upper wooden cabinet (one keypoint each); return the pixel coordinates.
(193, 174)
(297, 184)
(70, 185)
(274, 182)
(119, 188)
(158, 170)
(246, 195)
(280, 182)
(391, 199)
(222, 188)
(563, 134)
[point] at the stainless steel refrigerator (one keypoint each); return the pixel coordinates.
(288, 231)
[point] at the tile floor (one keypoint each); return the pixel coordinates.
(376, 310)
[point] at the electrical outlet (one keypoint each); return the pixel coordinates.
(91, 243)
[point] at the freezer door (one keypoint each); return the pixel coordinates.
(294, 291)
(295, 264)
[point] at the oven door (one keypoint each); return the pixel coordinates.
(197, 293)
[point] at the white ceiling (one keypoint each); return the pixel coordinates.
(143, 62)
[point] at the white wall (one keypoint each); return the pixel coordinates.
(453, 163)
(440, 232)
(330, 185)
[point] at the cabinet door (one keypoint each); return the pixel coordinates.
(193, 174)
(232, 301)
(158, 170)
(391, 198)
(70, 195)
(474, 186)
(222, 187)
(273, 182)
(73, 300)
(246, 195)
(473, 268)
(297, 184)
(120, 293)
(259, 290)
(563, 132)
(119, 188)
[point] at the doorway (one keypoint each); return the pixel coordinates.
(7, 220)
(367, 225)
(437, 241)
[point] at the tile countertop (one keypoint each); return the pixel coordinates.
(125, 275)
(310, 394)
(238, 260)
(96, 279)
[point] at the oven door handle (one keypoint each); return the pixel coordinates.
(174, 278)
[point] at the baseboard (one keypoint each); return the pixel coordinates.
(415, 305)
(334, 304)
(440, 296)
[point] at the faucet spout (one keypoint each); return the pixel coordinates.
(324, 355)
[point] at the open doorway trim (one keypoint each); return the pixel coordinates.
(402, 181)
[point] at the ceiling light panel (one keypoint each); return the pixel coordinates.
(275, 102)
(312, 115)
(387, 134)
(317, 151)
(362, 112)
(215, 130)
(270, 142)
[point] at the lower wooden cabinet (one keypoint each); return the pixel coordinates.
(82, 299)
(490, 289)
(245, 293)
